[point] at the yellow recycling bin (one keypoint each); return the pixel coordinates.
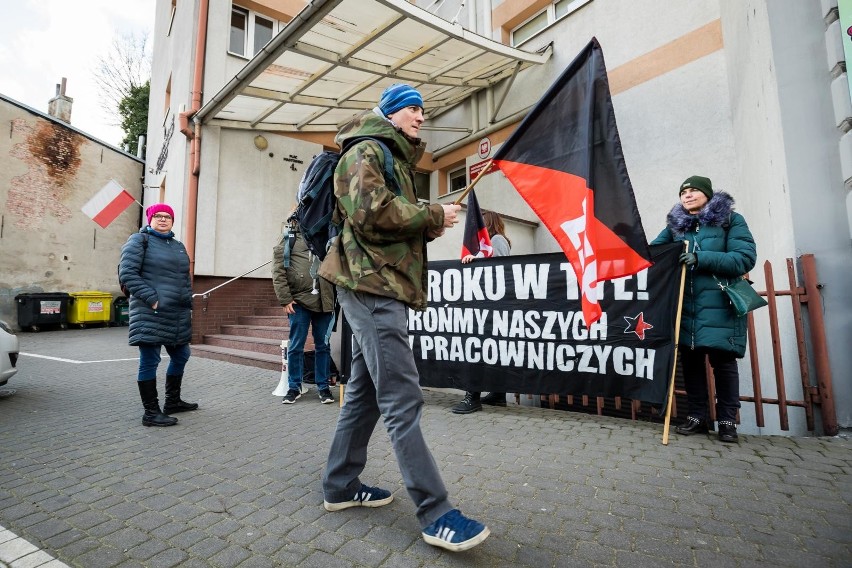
(90, 307)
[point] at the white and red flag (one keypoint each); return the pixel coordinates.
(108, 203)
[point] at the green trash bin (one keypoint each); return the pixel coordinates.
(121, 311)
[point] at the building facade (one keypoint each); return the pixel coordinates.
(48, 171)
(750, 93)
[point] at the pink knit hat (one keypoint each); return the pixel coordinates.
(157, 208)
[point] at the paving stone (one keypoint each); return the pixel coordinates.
(556, 488)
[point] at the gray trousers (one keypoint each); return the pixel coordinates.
(383, 382)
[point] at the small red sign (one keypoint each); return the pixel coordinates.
(476, 169)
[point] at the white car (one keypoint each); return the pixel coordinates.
(8, 353)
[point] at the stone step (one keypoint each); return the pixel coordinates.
(268, 346)
(238, 356)
(270, 311)
(265, 331)
(269, 321)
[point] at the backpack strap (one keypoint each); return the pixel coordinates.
(388, 160)
(289, 239)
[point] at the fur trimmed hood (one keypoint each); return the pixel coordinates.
(715, 214)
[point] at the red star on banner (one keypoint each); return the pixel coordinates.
(637, 325)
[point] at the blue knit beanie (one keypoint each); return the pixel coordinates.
(399, 96)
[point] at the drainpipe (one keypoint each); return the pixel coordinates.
(194, 134)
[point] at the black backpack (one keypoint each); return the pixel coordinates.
(121, 284)
(316, 196)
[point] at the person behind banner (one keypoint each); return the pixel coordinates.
(501, 246)
(721, 244)
(378, 263)
(308, 302)
(154, 266)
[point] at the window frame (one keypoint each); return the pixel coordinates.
(250, 33)
(453, 173)
(425, 181)
(550, 10)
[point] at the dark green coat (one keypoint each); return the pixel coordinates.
(381, 248)
(295, 283)
(725, 247)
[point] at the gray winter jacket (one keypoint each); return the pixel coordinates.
(157, 275)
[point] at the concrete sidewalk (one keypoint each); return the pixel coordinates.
(237, 483)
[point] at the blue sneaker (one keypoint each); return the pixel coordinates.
(455, 532)
(365, 497)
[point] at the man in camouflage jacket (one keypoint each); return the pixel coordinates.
(378, 263)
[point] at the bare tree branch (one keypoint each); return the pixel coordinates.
(123, 70)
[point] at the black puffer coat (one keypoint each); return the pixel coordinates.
(157, 275)
(725, 247)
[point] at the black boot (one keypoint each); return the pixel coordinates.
(692, 426)
(173, 402)
(494, 399)
(470, 403)
(153, 416)
(728, 431)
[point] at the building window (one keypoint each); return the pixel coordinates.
(262, 32)
(168, 101)
(239, 31)
(249, 32)
(172, 17)
(421, 186)
(547, 17)
(458, 179)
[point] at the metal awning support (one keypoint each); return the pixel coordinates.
(333, 60)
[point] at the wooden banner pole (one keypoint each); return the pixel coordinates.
(667, 421)
(473, 183)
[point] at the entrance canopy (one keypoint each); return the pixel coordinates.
(336, 57)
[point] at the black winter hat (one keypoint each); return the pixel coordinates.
(701, 183)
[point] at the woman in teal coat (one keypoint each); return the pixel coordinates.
(720, 244)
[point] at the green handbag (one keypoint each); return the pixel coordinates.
(742, 296)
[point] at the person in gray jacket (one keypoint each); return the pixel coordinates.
(154, 267)
(501, 246)
(308, 301)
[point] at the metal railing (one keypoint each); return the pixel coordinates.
(206, 294)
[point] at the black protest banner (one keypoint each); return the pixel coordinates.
(515, 324)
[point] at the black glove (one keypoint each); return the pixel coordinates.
(689, 258)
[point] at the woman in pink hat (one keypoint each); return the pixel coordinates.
(154, 267)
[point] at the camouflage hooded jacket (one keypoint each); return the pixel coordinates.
(381, 248)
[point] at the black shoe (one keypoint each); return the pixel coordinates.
(494, 399)
(727, 432)
(325, 396)
(692, 426)
(467, 405)
(292, 396)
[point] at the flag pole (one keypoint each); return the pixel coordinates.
(473, 183)
(667, 421)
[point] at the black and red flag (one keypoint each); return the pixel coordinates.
(565, 160)
(476, 240)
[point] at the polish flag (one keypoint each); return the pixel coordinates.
(108, 203)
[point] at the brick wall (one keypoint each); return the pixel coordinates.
(225, 305)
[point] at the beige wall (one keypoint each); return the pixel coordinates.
(47, 244)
